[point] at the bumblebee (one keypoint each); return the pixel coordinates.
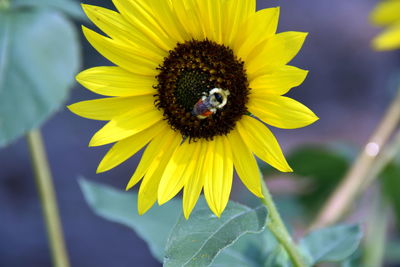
(210, 103)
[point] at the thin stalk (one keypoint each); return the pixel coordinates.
(342, 198)
(46, 192)
(377, 226)
(278, 228)
(389, 153)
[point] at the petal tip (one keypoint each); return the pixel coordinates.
(84, 6)
(258, 193)
(73, 108)
(141, 212)
(284, 167)
(186, 214)
(94, 142)
(218, 213)
(101, 168)
(130, 184)
(79, 78)
(161, 200)
(70, 107)
(128, 187)
(289, 169)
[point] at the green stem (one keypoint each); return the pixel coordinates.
(48, 199)
(278, 228)
(375, 239)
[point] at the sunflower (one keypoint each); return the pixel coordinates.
(194, 82)
(387, 14)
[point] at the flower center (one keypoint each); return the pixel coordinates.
(190, 87)
(202, 89)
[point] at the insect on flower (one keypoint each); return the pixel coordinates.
(184, 71)
(209, 104)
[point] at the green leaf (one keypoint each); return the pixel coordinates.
(278, 258)
(70, 7)
(390, 179)
(197, 241)
(120, 207)
(355, 260)
(331, 244)
(251, 250)
(39, 57)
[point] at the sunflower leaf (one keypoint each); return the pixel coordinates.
(69, 7)
(120, 207)
(250, 250)
(39, 56)
(335, 243)
(278, 258)
(197, 241)
(246, 251)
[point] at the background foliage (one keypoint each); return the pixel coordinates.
(39, 57)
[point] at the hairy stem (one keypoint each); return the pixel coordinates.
(368, 162)
(48, 199)
(278, 228)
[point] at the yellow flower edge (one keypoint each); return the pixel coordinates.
(139, 38)
(387, 14)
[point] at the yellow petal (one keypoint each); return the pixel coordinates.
(259, 27)
(245, 163)
(187, 15)
(170, 23)
(235, 14)
(210, 12)
(121, 54)
(156, 165)
(147, 194)
(213, 161)
(138, 119)
(179, 169)
(115, 26)
(106, 109)
(194, 185)
(115, 81)
(217, 186)
(389, 39)
(278, 51)
(278, 82)
(280, 111)
(263, 143)
(141, 17)
(228, 176)
(386, 12)
(126, 148)
(156, 155)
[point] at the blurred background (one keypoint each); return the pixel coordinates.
(349, 87)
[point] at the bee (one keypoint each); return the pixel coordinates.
(209, 103)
